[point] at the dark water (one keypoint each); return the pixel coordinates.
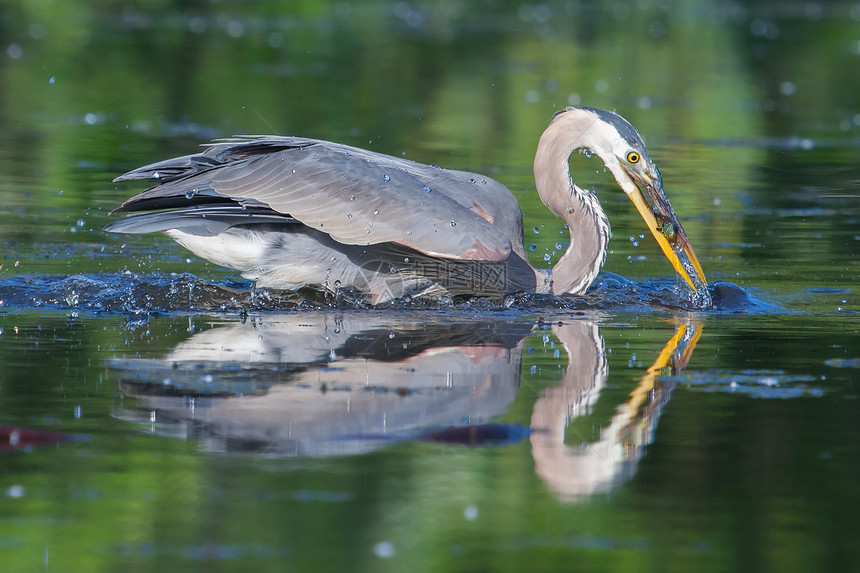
(156, 415)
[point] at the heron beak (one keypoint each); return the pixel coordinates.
(667, 229)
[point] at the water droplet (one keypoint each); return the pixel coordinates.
(426, 189)
(337, 284)
(81, 222)
(558, 246)
(156, 175)
(376, 212)
(472, 180)
(349, 215)
(52, 80)
(386, 178)
(392, 269)
(546, 257)
(406, 260)
(191, 193)
(352, 197)
(532, 247)
(294, 171)
(366, 230)
(409, 232)
(471, 512)
(453, 224)
(535, 230)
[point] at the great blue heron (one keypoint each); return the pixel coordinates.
(289, 212)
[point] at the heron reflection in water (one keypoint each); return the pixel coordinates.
(289, 212)
(313, 385)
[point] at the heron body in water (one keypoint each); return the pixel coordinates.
(290, 212)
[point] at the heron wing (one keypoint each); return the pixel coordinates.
(355, 196)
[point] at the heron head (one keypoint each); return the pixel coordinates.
(623, 151)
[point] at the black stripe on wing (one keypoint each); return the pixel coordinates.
(206, 220)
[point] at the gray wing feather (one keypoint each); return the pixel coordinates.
(198, 220)
(356, 196)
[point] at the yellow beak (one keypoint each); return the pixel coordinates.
(668, 231)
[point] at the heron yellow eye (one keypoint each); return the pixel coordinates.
(633, 157)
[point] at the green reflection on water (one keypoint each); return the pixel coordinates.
(750, 111)
(728, 479)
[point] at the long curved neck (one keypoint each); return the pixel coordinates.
(587, 223)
